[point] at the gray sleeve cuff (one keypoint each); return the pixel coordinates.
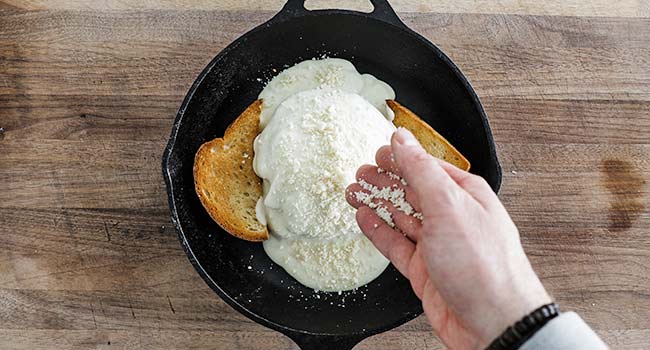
(566, 332)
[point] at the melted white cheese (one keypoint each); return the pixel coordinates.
(307, 154)
(335, 73)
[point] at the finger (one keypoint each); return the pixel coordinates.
(371, 175)
(405, 223)
(436, 308)
(418, 274)
(458, 175)
(352, 195)
(392, 244)
(475, 185)
(409, 225)
(423, 173)
(385, 160)
(378, 177)
(364, 170)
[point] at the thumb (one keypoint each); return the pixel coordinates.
(422, 172)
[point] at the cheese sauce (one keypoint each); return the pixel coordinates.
(320, 121)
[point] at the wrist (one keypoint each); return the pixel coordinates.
(519, 300)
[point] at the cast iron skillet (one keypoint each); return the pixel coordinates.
(424, 79)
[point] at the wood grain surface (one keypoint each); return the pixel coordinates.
(89, 90)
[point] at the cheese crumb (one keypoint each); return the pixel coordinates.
(385, 215)
(395, 195)
(392, 175)
(396, 177)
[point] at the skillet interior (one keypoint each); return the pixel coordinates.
(423, 81)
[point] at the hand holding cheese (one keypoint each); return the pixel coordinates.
(464, 259)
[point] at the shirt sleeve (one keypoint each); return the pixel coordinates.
(566, 332)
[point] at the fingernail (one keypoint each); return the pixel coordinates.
(404, 137)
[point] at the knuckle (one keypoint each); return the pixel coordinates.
(477, 181)
(417, 163)
(450, 198)
(422, 157)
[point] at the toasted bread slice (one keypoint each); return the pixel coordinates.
(225, 181)
(433, 143)
(228, 187)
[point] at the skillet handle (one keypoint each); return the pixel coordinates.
(320, 342)
(292, 8)
(381, 11)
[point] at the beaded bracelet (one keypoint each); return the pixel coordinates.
(516, 335)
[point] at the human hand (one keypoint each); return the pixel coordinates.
(464, 259)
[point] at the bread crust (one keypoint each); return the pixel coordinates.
(225, 181)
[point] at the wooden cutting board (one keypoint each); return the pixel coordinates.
(89, 90)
